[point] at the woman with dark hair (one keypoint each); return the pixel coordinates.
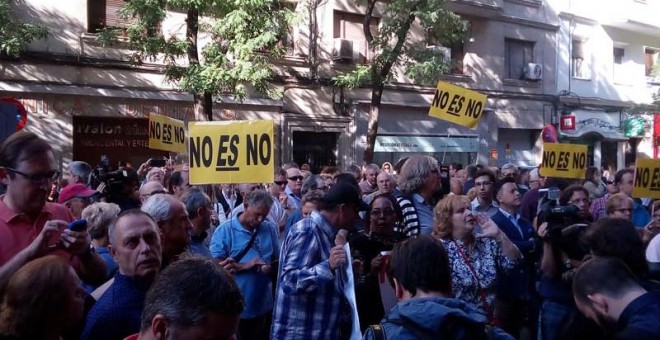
(42, 300)
(367, 246)
(594, 183)
(478, 251)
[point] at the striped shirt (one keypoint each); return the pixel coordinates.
(411, 225)
(309, 296)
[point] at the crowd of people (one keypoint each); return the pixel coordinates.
(463, 253)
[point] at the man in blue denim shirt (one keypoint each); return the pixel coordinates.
(253, 260)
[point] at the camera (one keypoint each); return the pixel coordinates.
(115, 181)
(566, 225)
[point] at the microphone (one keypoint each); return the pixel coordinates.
(342, 237)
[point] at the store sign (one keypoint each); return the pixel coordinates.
(166, 133)
(426, 144)
(647, 178)
(457, 105)
(633, 127)
(564, 160)
(567, 123)
(231, 152)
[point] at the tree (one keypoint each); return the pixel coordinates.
(392, 45)
(244, 40)
(14, 35)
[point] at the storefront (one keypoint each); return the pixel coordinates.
(446, 149)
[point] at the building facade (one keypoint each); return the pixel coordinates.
(517, 54)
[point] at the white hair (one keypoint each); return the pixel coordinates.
(159, 206)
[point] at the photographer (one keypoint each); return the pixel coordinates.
(119, 187)
(561, 228)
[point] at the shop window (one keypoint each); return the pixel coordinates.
(349, 26)
(517, 54)
(579, 64)
(104, 13)
(651, 62)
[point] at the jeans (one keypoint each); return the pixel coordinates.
(553, 319)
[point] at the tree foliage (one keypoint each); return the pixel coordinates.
(15, 35)
(241, 41)
(393, 45)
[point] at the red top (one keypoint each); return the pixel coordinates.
(17, 231)
(132, 337)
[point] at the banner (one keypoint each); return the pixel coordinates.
(457, 105)
(166, 133)
(564, 160)
(647, 178)
(231, 152)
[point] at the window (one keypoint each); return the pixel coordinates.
(579, 65)
(650, 61)
(457, 55)
(104, 13)
(350, 26)
(517, 54)
(618, 55)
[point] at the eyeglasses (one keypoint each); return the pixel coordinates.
(38, 178)
(280, 183)
(379, 213)
(482, 184)
(624, 211)
(296, 178)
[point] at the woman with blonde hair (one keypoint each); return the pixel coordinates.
(478, 251)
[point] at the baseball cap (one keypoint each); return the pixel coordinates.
(344, 193)
(78, 190)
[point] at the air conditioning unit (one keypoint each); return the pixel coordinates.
(533, 71)
(343, 49)
(441, 49)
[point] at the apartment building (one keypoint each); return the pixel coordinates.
(607, 51)
(517, 53)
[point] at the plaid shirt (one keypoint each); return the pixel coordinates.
(598, 207)
(309, 296)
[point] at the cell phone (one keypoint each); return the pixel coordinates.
(78, 225)
(159, 163)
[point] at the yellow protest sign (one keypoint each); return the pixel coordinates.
(166, 133)
(457, 104)
(231, 152)
(563, 160)
(647, 178)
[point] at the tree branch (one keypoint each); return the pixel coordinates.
(390, 58)
(366, 25)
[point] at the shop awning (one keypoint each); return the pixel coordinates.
(426, 144)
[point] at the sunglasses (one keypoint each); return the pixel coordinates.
(280, 183)
(296, 178)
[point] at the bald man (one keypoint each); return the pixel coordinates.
(151, 188)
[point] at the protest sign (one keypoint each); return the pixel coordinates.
(166, 133)
(564, 160)
(231, 152)
(457, 104)
(647, 178)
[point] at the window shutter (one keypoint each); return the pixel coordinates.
(112, 18)
(578, 50)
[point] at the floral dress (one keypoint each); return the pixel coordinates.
(486, 260)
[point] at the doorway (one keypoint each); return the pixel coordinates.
(318, 149)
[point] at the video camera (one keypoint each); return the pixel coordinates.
(565, 223)
(115, 181)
